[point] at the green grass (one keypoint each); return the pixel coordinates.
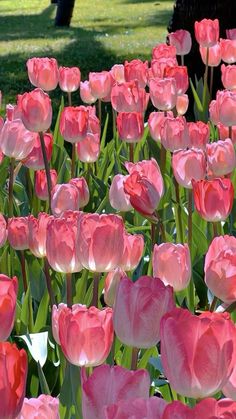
(102, 33)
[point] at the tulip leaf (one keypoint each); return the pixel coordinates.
(145, 358)
(70, 395)
(42, 313)
(42, 380)
(196, 97)
(156, 363)
(104, 133)
(58, 139)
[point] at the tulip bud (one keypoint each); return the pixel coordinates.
(64, 197)
(41, 185)
(18, 233)
(35, 110)
(43, 73)
(133, 251)
(207, 32)
(181, 40)
(85, 93)
(15, 140)
(226, 107)
(69, 78)
(182, 104)
(34, 160)
(88, 150)
(118, 73)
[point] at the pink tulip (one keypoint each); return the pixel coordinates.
(180, 74)
(214, 112)
(82, 186)
(181, 40)
(136, 70)
(64, 197)
(74, 123)
(228, 50)
(118, 384)
(15, 140)
(206, 409)
(199, 134)
(214, 55)
(86, 93)
(129, 97)
(139, 307)
(163, 93)
(226, 106)
(188, 343)
(207, 32)
(149, 169)
(3, 230)
(133, 251)
(159, 66)
(213, 199)
(61, 246)
(172, 264)
(100, 84)
(88, 150)
(231, 33)
(44, 407)
(112, 281)
(164, 51)
(229, 389)
(41, 186)
(221, 158)
(35, 110)
(96, 233)
(117, 196)
(174, 133)
(136, 409)
(182, 103)
(130, 126)
(69, 78)
(34, 160)
(228, 76)
(8, 298)
(43, 73)
(155, 121)
(37, 234)
(18, 233)
(187, 165)
(118, 73)
(220, 268)
(56, 310)
(85, 334)
(12, 112)
(224, 132)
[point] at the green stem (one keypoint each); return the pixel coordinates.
(69, 98)
(182, 59)
(47, 168)
(134, 360)
(23, 270)
(213, 304)
(100, 111)
(215, 232)
(96, 279)
(179, 225)
(10, 190)
(153, 234)
(205, 81)
(49, 283)
(163, 160)
(69, 289)
(190, 289)
(161, 226)
(131, 152)
(211, 81)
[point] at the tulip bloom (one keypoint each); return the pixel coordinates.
(130, 126)
(37, 234)
(164, 51)
(228, 50)
(225, 107)
(112, 281)
(118, 73)
(61, 246)
(121, 383)
(207, 409)
(213, 199)
(18, 233)
(8, 296)
(180, 74)
(15, 140)
(34, 160)
(100, 84)
(85, 93)
(74, 123)
(220, 268)
(221, 157)
(35, 110)
(81, 184)
(137, 409)
(64, 197)
(159, 66)
(129, 97)
(191, 369)
(172, 264)
(117, 196)
(136, 70)
(13, 368)
(85, 334)
(182, 103)
(188, 165)
(139, 307)
(224, 132)
(96, 233)
(56, 310)
(228, 76)
(69, 79)
(231, 33)
(207, 32)
(163, 93)
(229, 389)
(199, 134)
(133, 251)
(3, 230)
(214, 55)
(155, 122)
(41, 185)
(181, 40)
(44, 406)
(88, 150)
(174, 133)
(43, 73)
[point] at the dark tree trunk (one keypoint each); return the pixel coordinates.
(53, 1)
(64, 12)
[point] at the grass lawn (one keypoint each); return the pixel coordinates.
(102, 33)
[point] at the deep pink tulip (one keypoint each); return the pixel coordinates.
(199, 134)
(220, 268)
(118, 384)
(96, 233)
(3, 230)
(139, 307)
(182, 103)
(174, 133)
(34, 160)
(85, 334)
(188, 343)
(214, 55)
(35, 110)
(64, 197)
(129, 97)
(61, 246)
(136, 409)
(213, 199)
(74, 123)
(187, 165)
(231, 33)
(44, 407)
(100, 84)
(181, 40)
(56, 310)
(15, 140)
(88, 150)
(43, 73)
(155, 121)
(228, 76)
(118, 73)
(159, 66)
(133, 251)
(164, 51)
(221, 158)
(207, 32)
(37, 234)
(85, 93)
(82, 186)
(13, 372)
(8, 298)
(18, 233)
(180, 74)
(117, 196)
(41, 185)
(69, 78)
(130, 126)
(172, 264)
(228, 50)
(136, 70)
(163, 93)
(112, 281)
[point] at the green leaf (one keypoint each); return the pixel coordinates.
(58, 139)
(42, 313)
(196, 97)
(104, 133)
(42, 380)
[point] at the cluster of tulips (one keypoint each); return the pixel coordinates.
(118, 255)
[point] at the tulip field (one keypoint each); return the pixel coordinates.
(118, 238)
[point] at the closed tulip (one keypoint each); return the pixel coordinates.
(231, 33)
(118, 384)
(172, 264)
(13, 368)
(129, 97)
(139, 307)
(74, 123)
(224, 132)
(69, 79)
(82, 186)
(136, 409)
(214, 55)
(112, 281)
(8, 296)
(100, 84)
(208, 408)
(155, 121)
(214, 112)
(117, 196)
(159, 66)
(164, 51)
(226, 107)
(61, 245)
(163, 93)
(85, 334)
(15, 140)
(43, 73)
(133, 251)
(191, 370)
(187, 165)
(41, 185)
(88, 150)
(3, 230)
(207, 32)
(130, 126)
(228, 76)
(37, 234)
(18, 233)
(228, 50)
(213, 199)
(56, 310)
(149, 169)
(199, 134)
(180, 74)
(43, 407)
(86, 93)
(181, 40)
(136, 70)
(35, 110)
(96, 233)
(118, 73)
(64, 197)
(34, 160)
(221, 158)
(174, 133)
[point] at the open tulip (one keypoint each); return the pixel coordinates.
(213, 199)
(228, 76)
(117, 196)
(180, 74)
(44, 407)
(174, 133)
(85, 334)
(34, 160)
(188, 165)
(118, 384)
(228, 50)
(221, 158)
(181, 40)
(172, 264)
(191, 369)
(214, 55)
(15, 140)
(207, 32)
(155, 121)
(199, 134)
(149, 169)
(136, 70)
(74, 123)
(88, 149)
(164, 51)
(41, 186)
(43, 73)
(133, 251)
(37, 234)
(129, 97)
(139, 307)
(163, 93)
(8, 296)
(69, 79)
(18, 233)
(136, 409)
(3, 230)
(35, 110)
(130, 126)
(112, 281)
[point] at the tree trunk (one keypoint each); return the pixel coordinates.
(64, 12)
